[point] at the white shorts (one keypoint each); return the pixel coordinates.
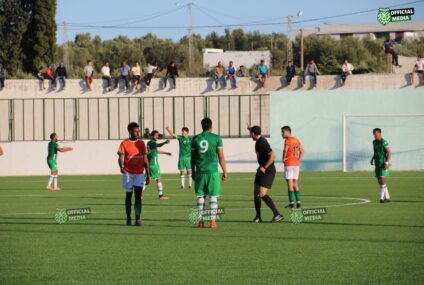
(130, 180)
(291, 172)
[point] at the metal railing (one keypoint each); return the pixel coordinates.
(107, 118)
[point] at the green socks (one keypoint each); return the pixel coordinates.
(298, 195)
(291, 197)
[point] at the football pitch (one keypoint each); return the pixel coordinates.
(358, 241)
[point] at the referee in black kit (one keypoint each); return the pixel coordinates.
(264, 175)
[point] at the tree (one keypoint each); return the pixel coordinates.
(14, 20)
(40, 38)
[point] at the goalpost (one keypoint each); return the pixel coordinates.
(404, 132)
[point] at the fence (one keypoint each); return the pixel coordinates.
(106, 118)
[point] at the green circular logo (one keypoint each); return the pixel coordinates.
(384, 16)
(194, 216)
(296, 216)
(61, 216)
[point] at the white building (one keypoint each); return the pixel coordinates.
(246, 58)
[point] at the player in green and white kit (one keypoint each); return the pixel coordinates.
(152, 155)
(53, 148)
(206, 152)
(381, 160)
(184, 158)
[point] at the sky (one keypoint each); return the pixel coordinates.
(170, 18)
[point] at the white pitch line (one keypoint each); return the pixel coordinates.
(360, 202)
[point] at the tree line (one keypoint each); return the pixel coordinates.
(28, 37)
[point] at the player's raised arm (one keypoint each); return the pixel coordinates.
(171, 133)
(221, 159)
(163, 143)
(64, 148)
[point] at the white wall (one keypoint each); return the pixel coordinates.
(100, 157)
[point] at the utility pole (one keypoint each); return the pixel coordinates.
(289, 43)
(190, 39)
(65, 58)
(301, 50)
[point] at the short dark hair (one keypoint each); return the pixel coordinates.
(256, 130)
(132, 126)
(154, 132)
(89, 60)
(376, 130)
(286, 128)
(52, 135)
(206, 124)
(185, 129)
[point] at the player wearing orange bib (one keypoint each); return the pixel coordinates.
(132, 163)
(292, 155)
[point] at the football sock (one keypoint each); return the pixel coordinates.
(291, 196)
(137, 203)
(182, 180)
(258, 201)
(189, 180)
(55, 181)
(213, 202)
(386, 192)
(160, 188)
(200, 206)
(382, 191)
(50, 181)
(128, 204)
(268, 201)
(297, 195)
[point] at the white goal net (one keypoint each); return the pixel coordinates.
(404, 132)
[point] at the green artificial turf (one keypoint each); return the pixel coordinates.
(357, 242)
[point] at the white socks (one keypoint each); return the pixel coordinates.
(55, 181)
(182, 180)
(200, 206)
(213, 202)
(160, 188)
(51, 178)
(190, 180)
(384, 192)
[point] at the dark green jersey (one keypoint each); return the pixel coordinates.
(185, 146)
(52, 150)
(205, 147)
(380, 154)
(152, 152)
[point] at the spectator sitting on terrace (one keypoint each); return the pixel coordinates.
(262, 72)
(347, 69)
(146, 134)
(124, 73)
(3, 75)
(290, 72)
(241, 71)
(106, 75)
(136, 75)
(171, 72)
(50, 75)
(88, 74)
(418, 69)
(39, 74)
(311, 70)
(389, 46)
(231, 75)
(219, 75)
(150, 72)
(61, 74)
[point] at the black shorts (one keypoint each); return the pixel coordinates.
(265, 179)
